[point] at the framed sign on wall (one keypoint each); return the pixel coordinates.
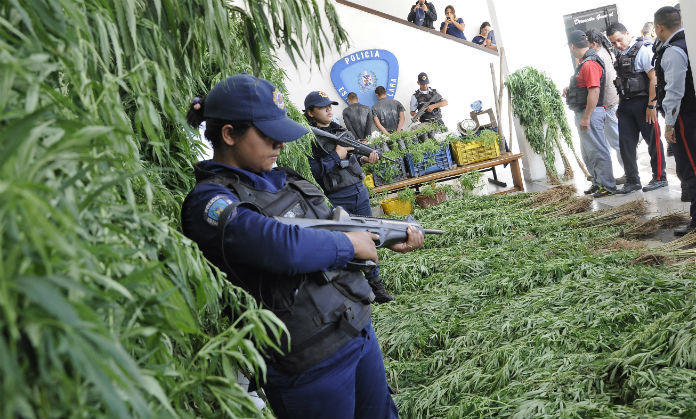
(362, 71)
(599, 18)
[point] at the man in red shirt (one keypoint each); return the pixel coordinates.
(584, 96)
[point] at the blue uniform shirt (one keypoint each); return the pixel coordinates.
(453, 30)
(254, 242)
(643, 63)
(675, 63)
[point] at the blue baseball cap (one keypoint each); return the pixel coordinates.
(318, 99)
(578, 38)
(243, 97)
(423, 79)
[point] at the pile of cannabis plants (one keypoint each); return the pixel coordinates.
(531, 306)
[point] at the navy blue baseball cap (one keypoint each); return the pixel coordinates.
(578, 38)
(423, 79)
(318, 99)
(244, 97)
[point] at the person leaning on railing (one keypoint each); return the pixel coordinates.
(485, 37)
(452, 25)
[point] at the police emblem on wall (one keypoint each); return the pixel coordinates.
(361, 72)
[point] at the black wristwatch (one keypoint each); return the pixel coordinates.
(651, 106)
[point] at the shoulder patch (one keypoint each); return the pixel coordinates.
(217, 204)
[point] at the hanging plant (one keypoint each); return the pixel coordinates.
(537, 103)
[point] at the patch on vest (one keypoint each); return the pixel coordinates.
(295, 212)
(214, 208)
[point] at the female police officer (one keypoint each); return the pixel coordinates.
(334, 367)
(337, 171)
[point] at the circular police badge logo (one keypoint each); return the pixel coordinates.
(367, 80)
(322, 94)
(278, 99)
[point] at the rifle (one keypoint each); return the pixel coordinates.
(422, 109)
(389, 231)
(344, 140)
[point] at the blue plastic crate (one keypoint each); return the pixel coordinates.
(433, 162)
(401, 173)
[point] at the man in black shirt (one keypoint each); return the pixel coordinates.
(357, 117)
(423, 14)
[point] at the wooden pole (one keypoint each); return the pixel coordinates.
(495, 95)
(502, 85)
(510, 118)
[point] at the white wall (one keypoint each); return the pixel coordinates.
(459, 72)
(688, 9)
(472, 12)
(539, 23)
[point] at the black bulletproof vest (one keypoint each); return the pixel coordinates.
(688, 102)
(425, 97)
(358, 120)
(576, 98)
(629, 82)
(347, 174)
(322, 310)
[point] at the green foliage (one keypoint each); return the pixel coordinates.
(401, 143)
(538, 104)
(270, 24)
(407, 195)
(486, 136)
(377, 198)
(107, 309)
(424, 151)
(470, 180)
(428, 190)
(432, 188)
(518, 312)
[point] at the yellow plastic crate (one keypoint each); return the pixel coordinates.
(473, 152)
(397, 207)
(369, 181)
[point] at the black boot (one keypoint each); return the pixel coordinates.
(686, 230)
(685, 195)
(381, 293)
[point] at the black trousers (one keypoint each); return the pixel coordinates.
(685, 155)
(631, 115)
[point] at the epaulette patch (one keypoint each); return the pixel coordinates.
(214, 208)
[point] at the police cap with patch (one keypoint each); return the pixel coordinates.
(423, 79)
(318, 99)
(244, 97)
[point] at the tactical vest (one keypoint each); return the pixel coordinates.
(425, 97)
(322, 310)
(629, 82)
(358, 120)
(688, 102)
(347, 174)
(576, 98)
(386, 110)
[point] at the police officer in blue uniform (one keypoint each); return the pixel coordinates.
(429, 98)
(635, 83)
(676, 99)
(334, 367)
(339, 173)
